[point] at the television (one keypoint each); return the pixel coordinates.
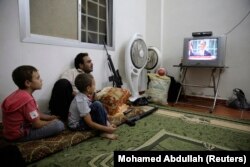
(205, 51)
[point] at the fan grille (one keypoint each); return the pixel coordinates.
(139, 53)
(152, 59)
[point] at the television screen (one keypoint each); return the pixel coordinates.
(204, 51)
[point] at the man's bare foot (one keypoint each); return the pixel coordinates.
(109, 136)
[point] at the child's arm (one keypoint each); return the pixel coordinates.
(39, 123)
(94, 95)
(44, 119)
(94, 125)
(47, 117)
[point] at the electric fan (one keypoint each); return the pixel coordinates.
(153, 63)
(136, 57)
(154, 59)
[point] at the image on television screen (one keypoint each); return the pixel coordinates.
(203, 49)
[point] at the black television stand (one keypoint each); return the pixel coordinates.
(214, 85)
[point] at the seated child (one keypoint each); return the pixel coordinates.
(85, 114)
(22, 120)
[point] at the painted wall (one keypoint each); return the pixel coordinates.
(154, 23)
(181, 18)
(53, 60)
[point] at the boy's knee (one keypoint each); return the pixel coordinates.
(59, 125)
(97, 104)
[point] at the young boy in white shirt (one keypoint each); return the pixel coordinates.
(86, 114)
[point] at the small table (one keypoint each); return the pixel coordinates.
(214, 86)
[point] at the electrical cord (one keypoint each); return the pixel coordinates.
(238, 23)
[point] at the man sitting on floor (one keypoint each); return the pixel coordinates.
(65, 90)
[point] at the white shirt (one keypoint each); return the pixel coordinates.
(79, 108)
(70, 75)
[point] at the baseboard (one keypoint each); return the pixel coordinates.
(204, 99)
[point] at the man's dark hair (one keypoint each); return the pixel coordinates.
(21, 74)
(83, 80)
(79, 59)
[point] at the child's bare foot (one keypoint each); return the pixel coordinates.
(109, 136)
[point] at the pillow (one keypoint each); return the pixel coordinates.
(120, 118)
(158, 88)
(114, 99)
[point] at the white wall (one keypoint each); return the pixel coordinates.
(176, 19)
(53, 60)
(154, 24)
(180, 18)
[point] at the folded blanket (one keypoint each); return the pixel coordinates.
(38, 149)
(35, 150)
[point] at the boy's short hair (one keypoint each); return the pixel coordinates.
(21, 74)
(82, 81)
(79, 59)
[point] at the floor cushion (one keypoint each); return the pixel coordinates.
(35, 150)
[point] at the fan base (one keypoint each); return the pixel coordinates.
(134, 98)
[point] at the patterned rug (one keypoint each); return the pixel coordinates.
(162, 130)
